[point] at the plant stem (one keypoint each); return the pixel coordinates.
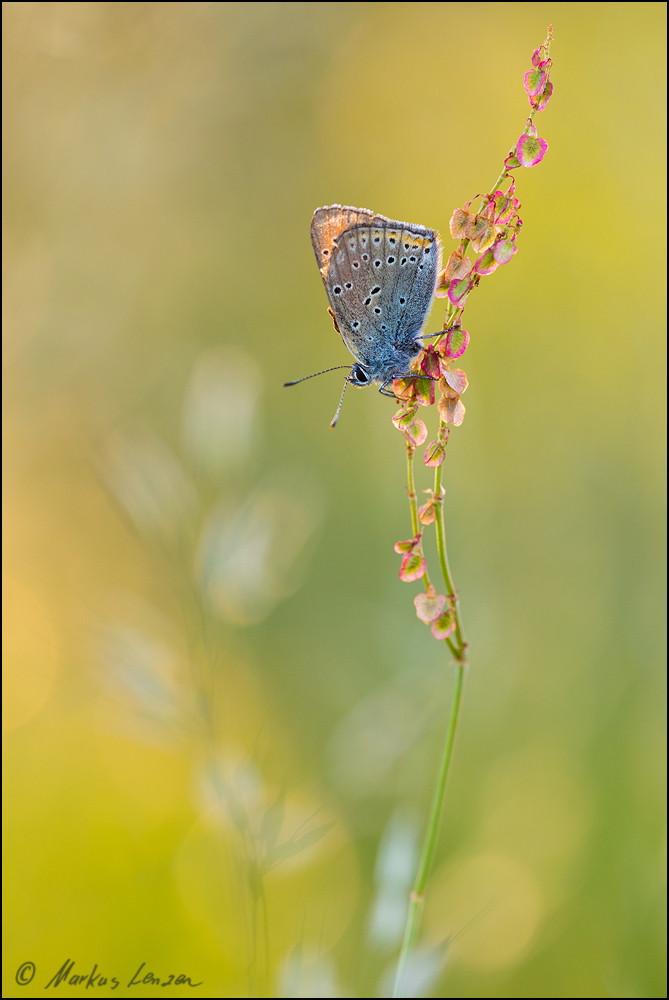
(413, 503)
(417, 897)
(461, 653)
(411, 490)
(459, 650)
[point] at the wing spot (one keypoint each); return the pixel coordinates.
(402, 301)
(325, 253)
(348, 285)
(365, 256)
(367, 301)
(412, 259)
(403, 261)
(375, 290)
(377, 263)
(391, 260)
(377, 311)
(356, 264)
(355, 324)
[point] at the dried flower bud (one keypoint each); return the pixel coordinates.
(414, 430)
(405, 389)
(429, 605)
(456, 342)
(434, 456)
(534, 81)
(542, 99)
(486, 263)
(404, 416)
(459, 290)
(478, 230)
(444, 625)
(486, 237)
(456, 380)
(504, 250)
(410, 545)
(446, 390)
(413, 564)
(505, 205)
(426, 512)
(460, 224)
(457, 266)
(424, 393)
(451, 410)
(530, 150)
(413, 567)
(430, 362)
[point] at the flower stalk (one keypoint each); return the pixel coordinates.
(491, 232)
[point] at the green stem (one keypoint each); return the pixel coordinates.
(413, 503)
(459, 650)
(417, 897)
(460, 641)
(411, 489)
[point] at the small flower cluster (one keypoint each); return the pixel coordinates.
(434, 609)
(491, 232)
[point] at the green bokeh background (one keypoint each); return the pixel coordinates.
(162, 162)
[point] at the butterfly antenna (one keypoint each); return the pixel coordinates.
(333, 422)
(324, 372)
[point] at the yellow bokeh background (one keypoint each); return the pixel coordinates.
(222, 716)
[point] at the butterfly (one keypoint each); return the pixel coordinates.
(380, 276)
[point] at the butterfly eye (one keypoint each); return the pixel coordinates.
(359, 375)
